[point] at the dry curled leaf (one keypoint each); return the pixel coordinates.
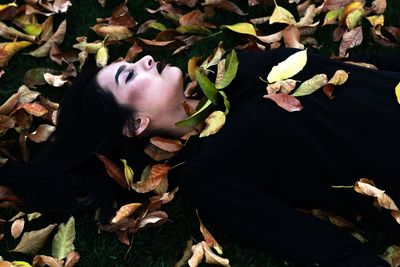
(7, 50)
(285, 86)
(113, 171)
(32, 242)
(311, 85)
(392, 255)
(213, 258)
(125, 211)
(158, 172)
(285, 101)
(350, 39)
(214, 123)
(43, 260)
(56, 38)
(210, 240)
(17, 227)
(169, 145)
(197, 256)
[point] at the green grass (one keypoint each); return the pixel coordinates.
(160, 246)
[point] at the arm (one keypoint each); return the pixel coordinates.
(253, 216)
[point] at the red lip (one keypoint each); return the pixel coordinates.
(160, 66)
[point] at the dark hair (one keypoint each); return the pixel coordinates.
(67, 176)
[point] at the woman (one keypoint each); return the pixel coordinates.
(253, 176)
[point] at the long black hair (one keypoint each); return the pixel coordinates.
(67, 176)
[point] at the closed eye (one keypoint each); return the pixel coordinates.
(130, 75)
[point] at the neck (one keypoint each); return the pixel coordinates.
(179, 115)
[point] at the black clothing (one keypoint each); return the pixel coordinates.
(266, 162)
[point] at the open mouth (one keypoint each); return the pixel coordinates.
(160, 66)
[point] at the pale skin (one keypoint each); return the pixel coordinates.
(153, 90)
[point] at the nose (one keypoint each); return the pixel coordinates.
(147, 62)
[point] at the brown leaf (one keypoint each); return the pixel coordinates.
(32, 242)
(162, 187)
(56, 38)
(35, 77)
(291, 37)
(17, 227)
(169, 145)
(351, 39)
(308, 17)
(339, 78)
(213, 258)
(5, 263)
(9, 12)
(272, 38)
(25, 154)
(113, 171)
(285, 86)
(287, 102)
(194, 17)
(35, 109)
(72, 259)
(189, 3)
(7, 50)
(165, 198)
(157, 153)
(158, 172)
(362, 64)
(125, 211)
(133, 52)
(156, 43)
(6, 123)
(42, 133)
(47, 30)
(328, 90)
(155, 218)
(187, 253)
(338, 33)
(114, 32)
(27, 95)
(210, 240)
(43, 260)
(120, 16)
(197, 257)
(225, 5)
(11, 33)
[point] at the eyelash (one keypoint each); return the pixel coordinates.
(130, 75)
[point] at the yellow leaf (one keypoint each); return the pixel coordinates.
(289, 67)
(281, 15)
(376, 20)
(7, 50)
(90, 48)
(102, 57)
(242, 27)
(2, 7)
(34, 215)
(114, 32)
(20, 264)
(339, 78)
(128, 173)
(397, 89)
(214, 123)
(56, 38)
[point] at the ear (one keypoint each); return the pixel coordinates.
(136, 126)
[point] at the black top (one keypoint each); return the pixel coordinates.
(252, 176)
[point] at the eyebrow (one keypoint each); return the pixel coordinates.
(120, 69)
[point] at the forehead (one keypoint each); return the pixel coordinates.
(105, 77)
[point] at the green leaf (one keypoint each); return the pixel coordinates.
(289, 67)
(241, 27)
(354, 18)
(227, 104)
(193, 29)
(281, 15)
(33, 29)
(158, 26)
(231, 65)
(206, 86)
(197, 117)
(128, 173)
(332, 16)
(311, 85)
(63, 241)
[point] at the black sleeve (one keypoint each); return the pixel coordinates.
(255, 217)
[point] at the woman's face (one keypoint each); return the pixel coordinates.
(146, 86)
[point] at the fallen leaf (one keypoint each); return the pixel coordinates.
(35, 109)
(350, 39)
(158, 172)
(56, 38)
(349, 8)
(156, 43)
(210, 240)
(125, 211)
(20, 264)
(285, 86)
(72, 259)
(7, 50)
(54, 80)
(291, 37)
(281, 15)
(26, 95)
(47, 30)
(328, 90)
(156, 153)
(154, 218)
(33, 216)
(335, 4)
(113, 32)
(17, 227)
(32, 242)
(62, 243)
(242, 27)
(311, 85)
(397, 90)
(6, 123)
(90, 48)
(128, 172)
(113, 171)
(43, 260)
(11, 33)
(214, 123)
(231, 65)
(376, 20)
(197, 256)
(354, 19)
(102, 57)
(332, 16)
(133, 51)
(287, 102)
(339, 78)
(207, 86)
(121, 16)
(225, 5)
(170, 145)
(213, 258)
(289, 67)
(378, 6)
(392, 255)
(34, 77)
